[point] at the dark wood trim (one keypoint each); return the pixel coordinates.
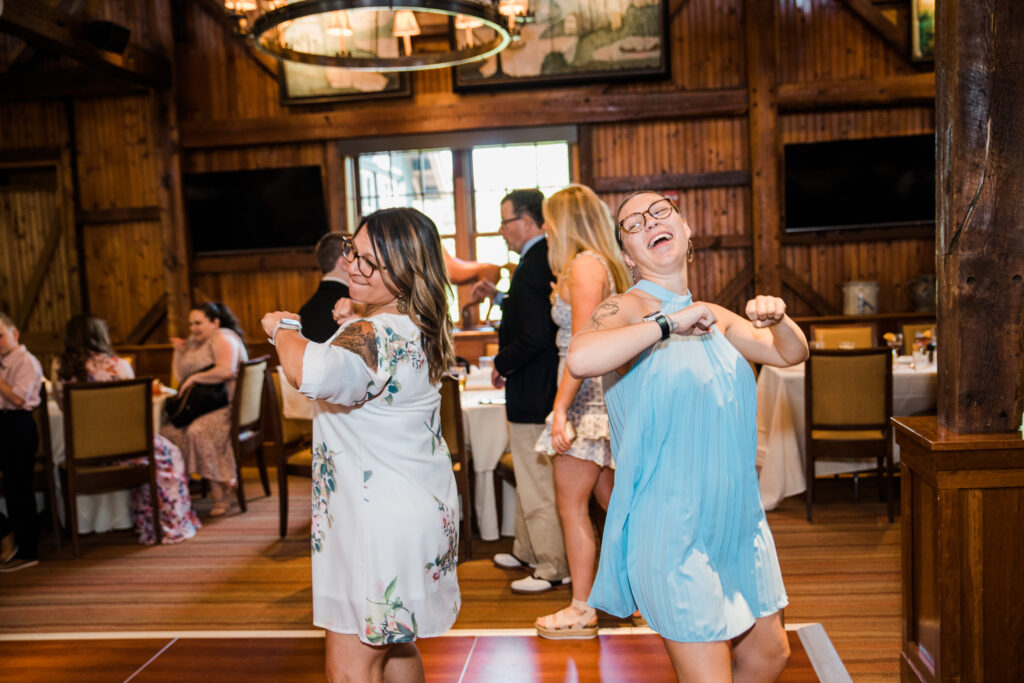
(128, 214)
(585, 155)
(30, 156)
(887, 91)
(735, 287)
(149, 321)
(216, 11)
(444, 113)
(35, 282)
(760, 24)
(672, 181)
(880, 24)
(57, 84)
(285, 259)
(722, 242)
(334, 187)
(51, 29)
(803, 290)
(916, 232)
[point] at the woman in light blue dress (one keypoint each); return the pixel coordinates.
(686, 540)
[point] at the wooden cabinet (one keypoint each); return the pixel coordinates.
(963, 555)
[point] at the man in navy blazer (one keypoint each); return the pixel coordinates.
(527, 366)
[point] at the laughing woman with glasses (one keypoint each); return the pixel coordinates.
(686, 540)
(385, 506)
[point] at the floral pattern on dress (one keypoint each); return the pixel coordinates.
(436, 437)
(397, 349)
(443, 564)
(389, 627)
(324, 484)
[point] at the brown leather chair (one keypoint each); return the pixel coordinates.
(452, 431)
(292, 441)
(247, 424)
(858, 336)
(848, 403)
(105, 425)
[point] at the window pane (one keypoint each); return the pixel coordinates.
(421, 179)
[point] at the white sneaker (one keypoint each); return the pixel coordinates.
(531, 584)
(510, 561)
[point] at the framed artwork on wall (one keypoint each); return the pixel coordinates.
(308, 84)
(922, 30)
(577, 41)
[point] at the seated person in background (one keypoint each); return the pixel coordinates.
(20, 377)
(88, 357)
(317, 319)
(209, 356)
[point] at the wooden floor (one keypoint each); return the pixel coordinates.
(842, 571)
(461, 659)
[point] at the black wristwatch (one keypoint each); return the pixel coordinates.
(662, 321)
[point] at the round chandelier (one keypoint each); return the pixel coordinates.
(377, 35)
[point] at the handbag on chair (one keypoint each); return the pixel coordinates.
(195, 401)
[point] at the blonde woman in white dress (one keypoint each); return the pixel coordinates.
(584, 256)
(385, 505)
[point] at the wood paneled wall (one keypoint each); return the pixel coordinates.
(221, 86)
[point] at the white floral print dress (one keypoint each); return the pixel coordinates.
(385, 506)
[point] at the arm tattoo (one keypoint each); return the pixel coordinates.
(606, 310)
(360, 339)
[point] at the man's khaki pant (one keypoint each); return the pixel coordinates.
(538, 529)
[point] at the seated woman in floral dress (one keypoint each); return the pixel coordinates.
(88, 357)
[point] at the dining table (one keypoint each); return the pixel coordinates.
(781, 420)
(97, 512)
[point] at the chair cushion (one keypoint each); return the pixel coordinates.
(301, 458)
(847, 435)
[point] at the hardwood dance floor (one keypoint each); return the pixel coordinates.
(842, 572)
(451, 659)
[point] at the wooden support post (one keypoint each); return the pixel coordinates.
(979, 244)
(172, 214)
(760, 27)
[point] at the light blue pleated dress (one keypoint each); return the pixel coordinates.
(686, 540)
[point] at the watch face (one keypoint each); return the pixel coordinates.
(290, 322)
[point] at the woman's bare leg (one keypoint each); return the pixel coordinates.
(762, 652)
(347, 659)
(700, 662)
(574, 481)
(603, 488)
(403, 664)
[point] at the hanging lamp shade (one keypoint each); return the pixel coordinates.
(466, 25)
(308, 31)
(512, 9)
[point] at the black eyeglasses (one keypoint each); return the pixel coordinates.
(366, 266)
(660, 208)
(505, 221)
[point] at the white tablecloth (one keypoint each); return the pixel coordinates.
(98, 512)
(780, 425)
(486, 432)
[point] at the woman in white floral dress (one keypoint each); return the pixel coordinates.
(385, 506)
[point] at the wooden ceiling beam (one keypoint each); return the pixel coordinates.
(886, 91)
(445, 113)
(48, 84)
(51, 29)
(216, 11)
(879, 23)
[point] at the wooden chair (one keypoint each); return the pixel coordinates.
(848, 403)
(861, 336)
(247, 420)
(292, 445)
(43, 478)
(909, 332)
(452, 431)
(106, 425)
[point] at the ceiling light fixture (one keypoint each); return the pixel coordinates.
(365, 35)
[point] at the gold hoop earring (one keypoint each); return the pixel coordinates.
(689, 252)
(402, 303)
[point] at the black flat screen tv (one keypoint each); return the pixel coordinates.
(272, 208)
(870, 183)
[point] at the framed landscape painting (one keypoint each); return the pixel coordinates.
(577, 41)
(922, 30)
(308, 84)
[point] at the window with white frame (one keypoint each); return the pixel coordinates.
(468, 223)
